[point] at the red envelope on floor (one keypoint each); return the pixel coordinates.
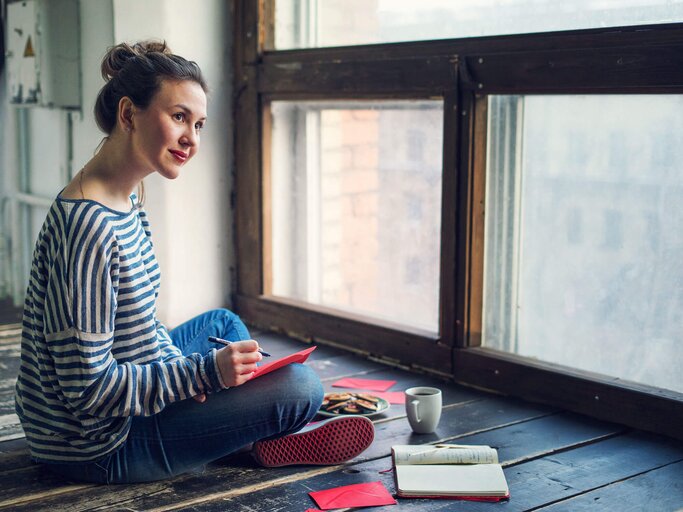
(366, 384)
(298, 357)
(393, 397)
(370, 494)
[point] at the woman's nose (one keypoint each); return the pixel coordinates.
(190, 138)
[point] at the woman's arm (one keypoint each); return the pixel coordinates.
(104, 355)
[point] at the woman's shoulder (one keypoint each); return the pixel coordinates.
(76, 217)
(93, 205)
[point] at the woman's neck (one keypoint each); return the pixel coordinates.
(110, 170)
(108, 178)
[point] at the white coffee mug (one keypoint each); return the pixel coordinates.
(423, 407)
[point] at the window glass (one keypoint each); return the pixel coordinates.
(355, 193)
(583, 233)
(321, 23)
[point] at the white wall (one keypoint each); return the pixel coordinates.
(191, 219)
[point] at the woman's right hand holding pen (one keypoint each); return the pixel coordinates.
(237, 361)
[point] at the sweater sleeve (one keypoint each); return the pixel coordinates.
(81, 339)
(168, 350)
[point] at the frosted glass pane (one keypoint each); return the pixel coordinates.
(320, 23)
(356, 207)
(584, 223)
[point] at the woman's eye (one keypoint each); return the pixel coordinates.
(178, 116)
(199, 126)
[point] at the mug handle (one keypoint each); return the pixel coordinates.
(413, 404)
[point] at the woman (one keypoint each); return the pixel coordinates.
(103, 388)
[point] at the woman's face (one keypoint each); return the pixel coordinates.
(166, 133)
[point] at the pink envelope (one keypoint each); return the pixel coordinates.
(297, 357)
(371, 494)
(393, 397)
(366, 384)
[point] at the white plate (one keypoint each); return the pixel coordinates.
(382, 405)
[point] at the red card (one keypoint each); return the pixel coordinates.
(393, 397)
(370, 494)
(298, 357)
(366, 384)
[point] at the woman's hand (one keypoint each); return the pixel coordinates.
(237, 361)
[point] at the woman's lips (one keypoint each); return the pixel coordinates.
(179, 155)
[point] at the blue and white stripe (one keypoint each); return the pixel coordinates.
(93, 354)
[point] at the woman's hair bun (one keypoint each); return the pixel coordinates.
(118, 56)
(136, 71)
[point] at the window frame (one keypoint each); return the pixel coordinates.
(461, 72)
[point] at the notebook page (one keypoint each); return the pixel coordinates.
(430, 454)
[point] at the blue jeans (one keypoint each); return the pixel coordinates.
(187, 435)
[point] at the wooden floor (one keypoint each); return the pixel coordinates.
(554, 460)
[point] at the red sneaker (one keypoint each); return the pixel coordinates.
(328, 442)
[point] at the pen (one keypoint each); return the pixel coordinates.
(226, 343)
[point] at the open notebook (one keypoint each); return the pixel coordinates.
(449, 471)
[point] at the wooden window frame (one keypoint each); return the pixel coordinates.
(462, 72)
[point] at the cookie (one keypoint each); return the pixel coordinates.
(368, 398)
(352, 408)
(364, 404)
(338, 397)
(338, 405)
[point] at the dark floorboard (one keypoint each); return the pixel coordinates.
(9, 366)
(657, 489)
(553, 459)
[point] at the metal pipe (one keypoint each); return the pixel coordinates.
(20, 220)
(5, 246)
(15, 251)
(33, 200)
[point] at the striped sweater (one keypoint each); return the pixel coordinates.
(93, 354)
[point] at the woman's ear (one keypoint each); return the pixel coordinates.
(125, 114)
